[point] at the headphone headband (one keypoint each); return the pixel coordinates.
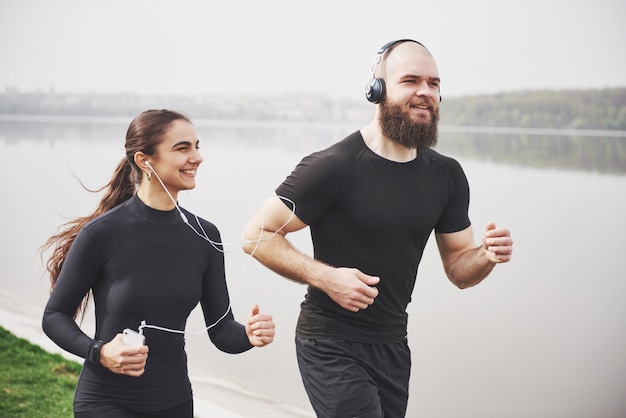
(391, 44)
(375, 89)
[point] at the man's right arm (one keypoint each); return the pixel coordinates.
(265, 238)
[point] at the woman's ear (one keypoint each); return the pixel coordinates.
(141, 160)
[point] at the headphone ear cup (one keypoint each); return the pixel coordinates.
(376, 91)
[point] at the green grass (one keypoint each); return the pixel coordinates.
(33, 382)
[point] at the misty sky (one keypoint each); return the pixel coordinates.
(321, 46)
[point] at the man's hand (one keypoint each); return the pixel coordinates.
(351, 289)
(497, 244)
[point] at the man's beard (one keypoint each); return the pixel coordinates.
(396, 124)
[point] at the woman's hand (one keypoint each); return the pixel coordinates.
(122, 359)
(260, 328)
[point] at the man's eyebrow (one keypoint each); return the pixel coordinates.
(420, 76)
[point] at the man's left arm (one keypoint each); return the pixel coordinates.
(467, 265)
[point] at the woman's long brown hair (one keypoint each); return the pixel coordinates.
(144, 134)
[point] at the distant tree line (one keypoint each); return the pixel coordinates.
(603, 109)
(560, 109)
(292, 107)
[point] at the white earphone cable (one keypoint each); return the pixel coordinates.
(217, 245)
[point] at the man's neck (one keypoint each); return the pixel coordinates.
(384, 146)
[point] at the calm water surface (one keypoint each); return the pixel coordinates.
(544, 336)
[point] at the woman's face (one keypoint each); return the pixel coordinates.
(177, 158)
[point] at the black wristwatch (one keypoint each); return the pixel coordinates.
(94, 354)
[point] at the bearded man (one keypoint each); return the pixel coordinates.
(371, 201)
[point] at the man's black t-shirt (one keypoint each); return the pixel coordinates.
(367, 212)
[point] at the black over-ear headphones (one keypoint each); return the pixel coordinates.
(375, 89)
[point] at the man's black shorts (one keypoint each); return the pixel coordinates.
(351, 379)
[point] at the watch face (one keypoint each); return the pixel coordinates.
(95, 353)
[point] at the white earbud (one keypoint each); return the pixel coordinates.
(148, 163)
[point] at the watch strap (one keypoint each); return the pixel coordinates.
(94, 353)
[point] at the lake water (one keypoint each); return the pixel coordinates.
(543, 336)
